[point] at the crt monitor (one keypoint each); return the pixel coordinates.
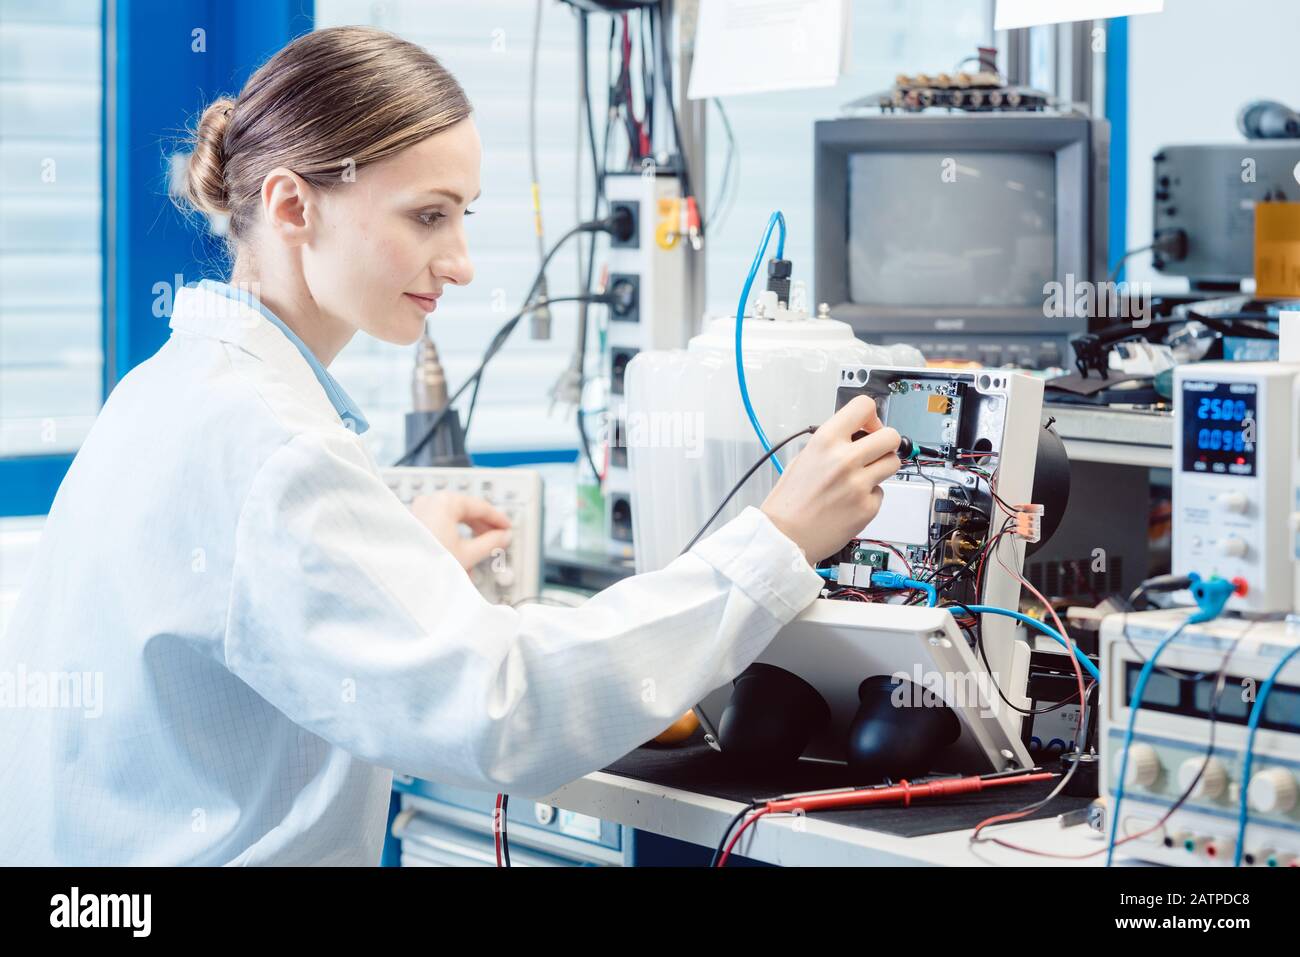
(946, 230)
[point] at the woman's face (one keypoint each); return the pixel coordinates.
(394, 234)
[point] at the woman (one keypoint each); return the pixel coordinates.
(266, 629)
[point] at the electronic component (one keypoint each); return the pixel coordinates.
(836, 668)
(1232, 481)
(940, 517)
(1204, 198)
(446, 447)
(1053, 692)
(516, 574)
(1181, 713)
(948, 231)
(648, 269)
(983, 92)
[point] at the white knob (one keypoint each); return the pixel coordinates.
(1272, 791)
(505, 576)
(1233, 547)
(1143, 766)
(1213, 783)
(1232, 502)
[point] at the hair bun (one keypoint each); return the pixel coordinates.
(206, 180)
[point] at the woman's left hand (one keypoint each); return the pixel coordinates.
(444, 512)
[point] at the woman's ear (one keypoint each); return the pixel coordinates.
(287, 204)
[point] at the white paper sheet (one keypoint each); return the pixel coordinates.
(757, 46)
(1014, 14)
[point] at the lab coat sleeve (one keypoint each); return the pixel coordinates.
(352, 619)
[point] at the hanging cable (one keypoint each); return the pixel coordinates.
(777, 220)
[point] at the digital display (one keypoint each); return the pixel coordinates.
(1220, 427)
(1282, 709)
(1194, 695)
(1161, 689)
(1231, 704)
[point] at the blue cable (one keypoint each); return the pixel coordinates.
(1135, 702)
(884, 579)
(1046, 629)
(777, 219)
(1256, 713)
(828, 573)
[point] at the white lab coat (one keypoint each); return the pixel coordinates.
(273, 633)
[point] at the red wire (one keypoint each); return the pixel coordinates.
(979, 574)
(642, 142)
(722, 861)
(496, 829)
(901, 557)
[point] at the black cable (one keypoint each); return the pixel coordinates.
(598, 192)
(532, 291)
(473, 404)
(979, 645)
(647, 83)
(990, 65)
(666, 64)
(739, 816)
(532, 123)
(505, 836)
(1220, 680)
(1129, 254)
(1131, 606)
(933, 548)
(743, 479)
(715, 213)
(493, 347)
(1187, 792)
(504, 332)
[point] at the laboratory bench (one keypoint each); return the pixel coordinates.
(650, 794)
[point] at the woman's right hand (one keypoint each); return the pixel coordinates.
(831, 489)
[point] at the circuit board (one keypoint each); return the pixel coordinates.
(942, 516)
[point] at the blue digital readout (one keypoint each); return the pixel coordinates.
(1220, 426)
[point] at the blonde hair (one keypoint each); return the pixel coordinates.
(329, 103)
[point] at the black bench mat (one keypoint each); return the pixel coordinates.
(696, 767)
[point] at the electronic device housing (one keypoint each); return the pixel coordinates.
(1208, 193)
(994, 411)
(1229, 505)
(1173, 731)
(963, 225)
(835, 644)
(515, 574)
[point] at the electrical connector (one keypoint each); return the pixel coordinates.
(1212, 595)
(539, 322)
(886, 579)
(693, 224)
(1029, 522)
(778, 279)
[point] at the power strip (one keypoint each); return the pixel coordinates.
(507, 578)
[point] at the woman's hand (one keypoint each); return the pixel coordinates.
(444, 512)
(830, 490)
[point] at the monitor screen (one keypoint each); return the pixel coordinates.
(951, 228)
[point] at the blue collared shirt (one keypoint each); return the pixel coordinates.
(348, 410)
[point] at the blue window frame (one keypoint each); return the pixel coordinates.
(160, 61)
